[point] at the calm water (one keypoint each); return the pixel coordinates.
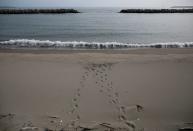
(99, 25)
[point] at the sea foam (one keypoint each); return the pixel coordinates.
(27, 43)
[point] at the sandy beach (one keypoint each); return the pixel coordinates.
(150, 88)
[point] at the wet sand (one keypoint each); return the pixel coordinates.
(148, 89)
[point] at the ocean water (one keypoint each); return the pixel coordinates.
(103, 26)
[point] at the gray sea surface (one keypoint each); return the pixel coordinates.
(99, 25)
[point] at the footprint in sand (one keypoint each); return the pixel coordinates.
(101, 74)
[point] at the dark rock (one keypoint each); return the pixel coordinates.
(156, 11)
(186, 127)
(7, 115)
(37, 11)
(47, 129)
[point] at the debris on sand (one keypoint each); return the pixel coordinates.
(53, 117)
(7, 115)
(139, 108)
(116, 126)
(47, 129)
(186, 127)
(29, 128)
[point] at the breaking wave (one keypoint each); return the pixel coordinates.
(26, 43)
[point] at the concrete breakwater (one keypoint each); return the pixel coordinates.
(156, 11)
(37, 11)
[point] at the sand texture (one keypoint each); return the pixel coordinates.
(123, 90)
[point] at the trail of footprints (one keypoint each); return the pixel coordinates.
(101, 75)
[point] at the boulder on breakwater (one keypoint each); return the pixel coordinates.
(37, 11)
(156, 11)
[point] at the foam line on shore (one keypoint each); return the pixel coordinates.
(32, 43)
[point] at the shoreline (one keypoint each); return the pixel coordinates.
(161, 51)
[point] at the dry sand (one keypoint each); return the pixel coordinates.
(52, 89)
